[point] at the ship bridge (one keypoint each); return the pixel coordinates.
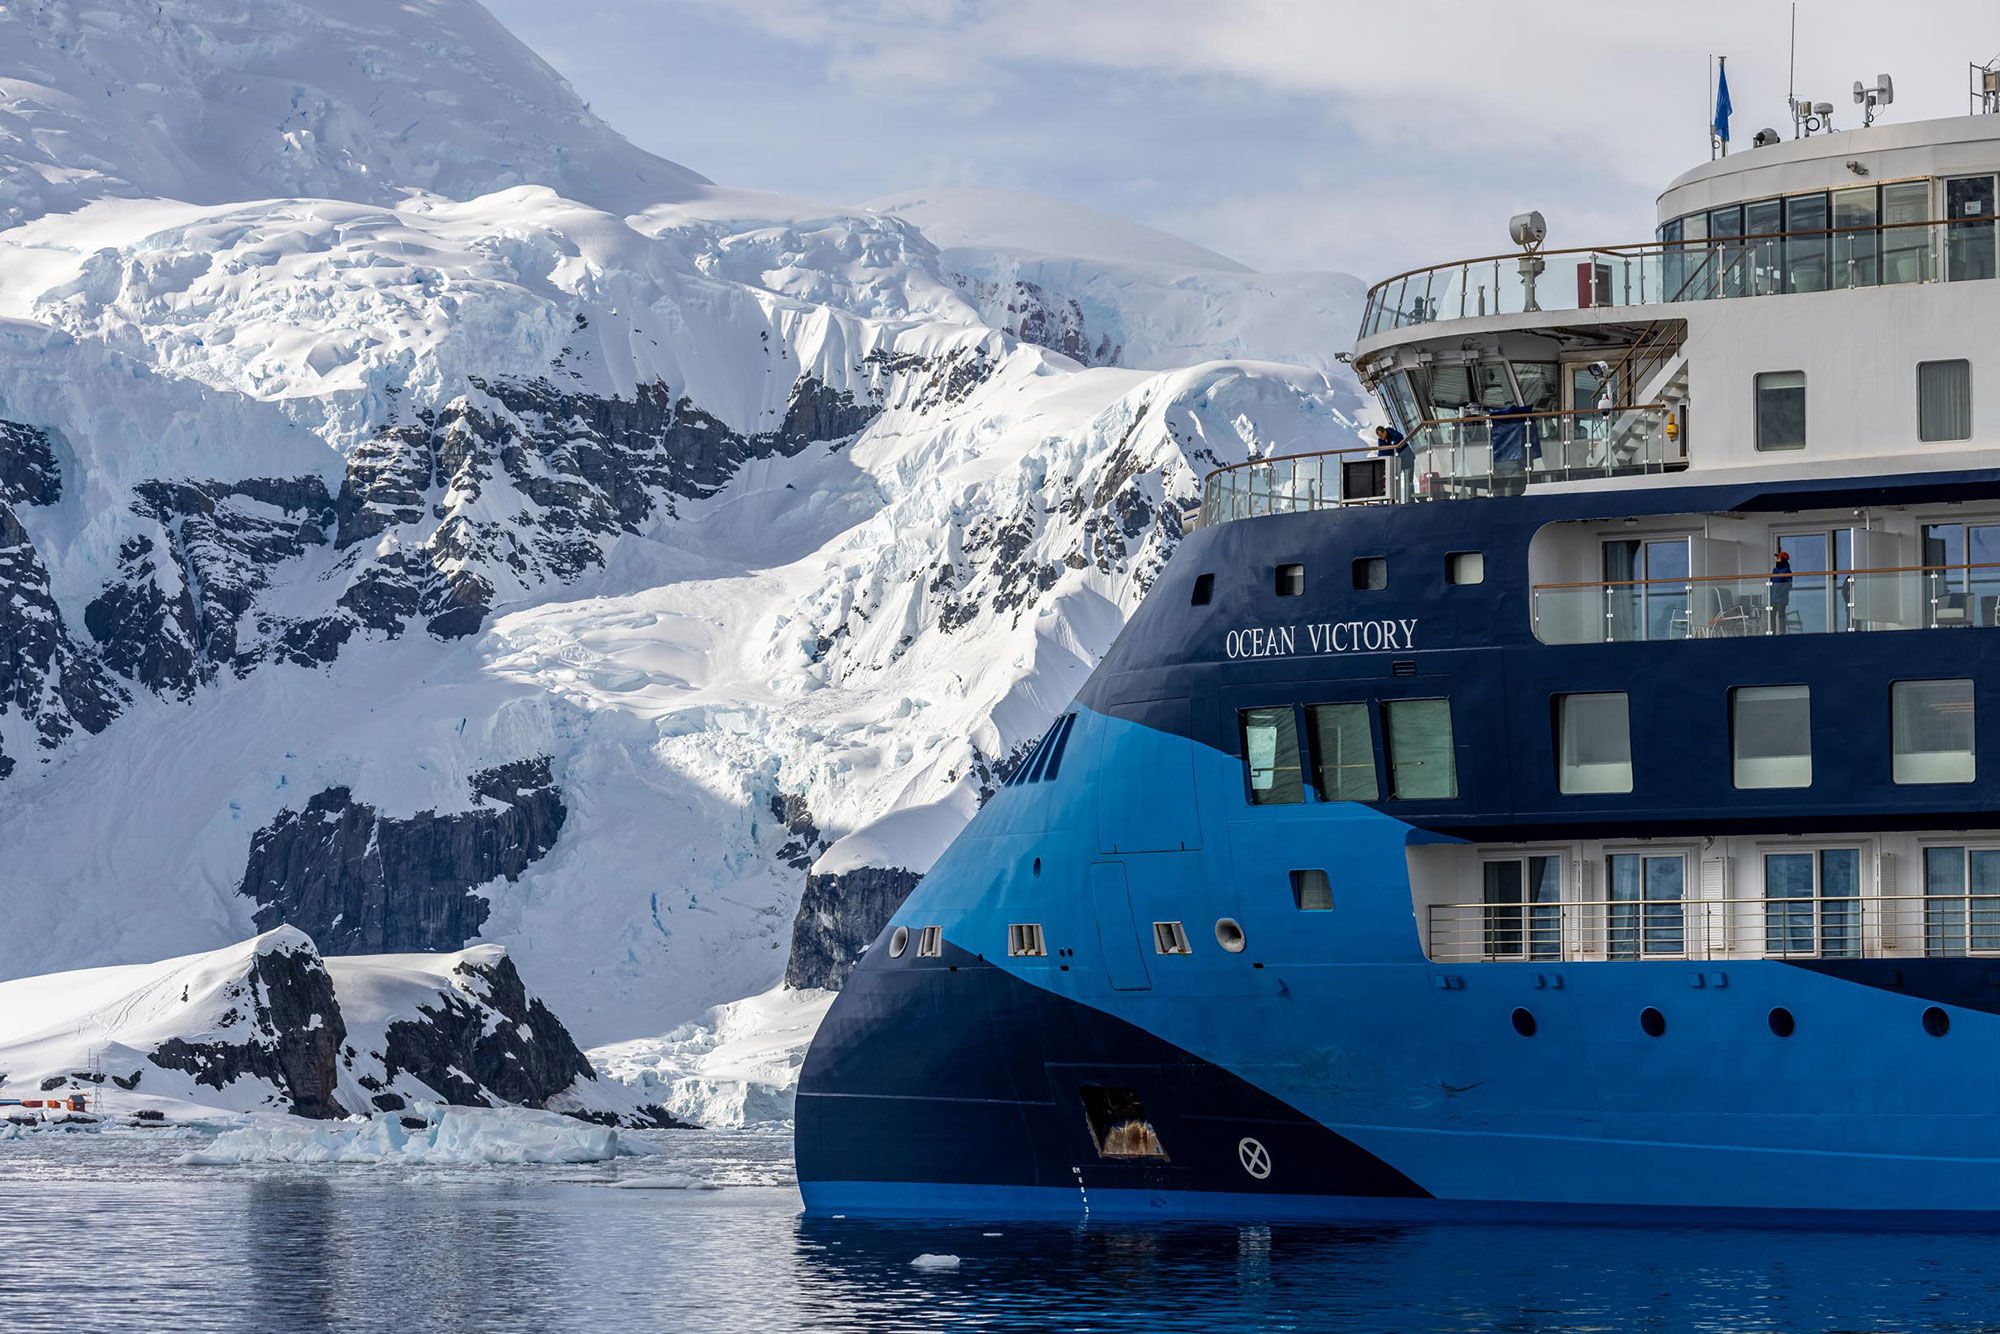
(1814, 305)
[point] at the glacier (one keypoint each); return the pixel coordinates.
(429, 521)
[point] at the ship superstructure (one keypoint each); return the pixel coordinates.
(1585, 810)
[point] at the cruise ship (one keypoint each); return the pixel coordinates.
(1585, 811)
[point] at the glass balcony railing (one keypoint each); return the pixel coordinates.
(1459, 458)
(1807, 602)
(1664, 272)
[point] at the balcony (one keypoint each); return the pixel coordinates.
(1455, 458)
(1918, 597)
(1666, 272)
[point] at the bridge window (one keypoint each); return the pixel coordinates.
(1291, 581)
(1271, 754)
(1343, 752)
(1968, 203)
(1422, 762)
(1944, 400)
(1644, 916)
(1594, 743)
(1370, 573)
(1770, 736)
(1812, 903)
(1465, 567)
(1961, 901)
(1781, 410)
(1204, 590)
(1931, 727)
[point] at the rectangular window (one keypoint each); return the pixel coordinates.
(1312, 891)
(1024, 941)
(930, 944)
(1812, 903)
(1523, 913)
(1931, 731)
(1781, 410)
(1204, 590)
(1465, 567)
(1944, 400)
(1171, 938)
(1856, 258)
(1422, 763)
(1968, 203)
(1343, 752)
(1271, 756)
(1593, 743)
(1644, 916)
(1906, 243)
(1770, 736)
(1806, 222)
(1961, 901)
(1370, 573)
(1291, 581)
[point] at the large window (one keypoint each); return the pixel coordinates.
(1812, 903)
(1593, 743)
(1906, 246)
(1961, 900)
(1944, 400)
(1422, 763)
(1644, 916)
(1931, 731)
(1962, 573)
(1522, 918)
(1781, 410)
(1343, 752)
(1271, 753)
(1968, 205)
(1648, 588)
(1770, 736)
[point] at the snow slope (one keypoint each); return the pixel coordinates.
(520, 541)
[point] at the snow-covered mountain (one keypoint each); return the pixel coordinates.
(426, 518)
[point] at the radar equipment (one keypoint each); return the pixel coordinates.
(1528, 231)
(1872, 100)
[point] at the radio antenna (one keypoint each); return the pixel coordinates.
(1792, 73)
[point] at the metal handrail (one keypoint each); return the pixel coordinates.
(1769, 574)
(1377, 450)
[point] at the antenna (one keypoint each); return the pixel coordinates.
(1872, 100)
(1792, 73)
(1986, 87)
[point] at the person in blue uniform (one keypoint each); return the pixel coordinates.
(1391, 443)
(1781, 590)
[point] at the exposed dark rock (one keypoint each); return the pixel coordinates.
(128, 1082)
(1035, 315)
(29, 473)
(838, 918)
(361, 882)
(460, 1051)
(805, 842)
(45, 678)
(292, 1037)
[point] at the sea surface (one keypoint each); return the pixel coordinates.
(107, 1232)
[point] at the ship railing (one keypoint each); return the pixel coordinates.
(1503, 454)
(1709, 929)
(1739, 606)
(1325, 479)
(1663, 272)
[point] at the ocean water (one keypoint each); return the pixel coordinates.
(99, 1232)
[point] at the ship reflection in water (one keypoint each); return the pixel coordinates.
(121, 1238)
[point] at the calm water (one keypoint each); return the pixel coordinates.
(99, 1233)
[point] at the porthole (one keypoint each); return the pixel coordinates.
(1782, 1023)
(1229, 935)
(1524, 1023)
(1936, 1022)
(1652, 1022)
(899, 940)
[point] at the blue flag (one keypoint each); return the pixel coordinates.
(1722, 107)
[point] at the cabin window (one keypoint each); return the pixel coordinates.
(1171, 938)
(1770, 736)
(1522, 917)
(930, 944)
(1271, 756)
(1944, 400)
(1812, 903)
(1593, 743)
(1204, 590)
(1422, 762)
(1781, 410)
(1291, 581)
(1371, 573)
(1931, 731)
(1311, 891)
(1343, 752)
(1644, 915)
(1961, 901)
(1024, 941)
(1465, 567)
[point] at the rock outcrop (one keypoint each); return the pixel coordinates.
(838, 918)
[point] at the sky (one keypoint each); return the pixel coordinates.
(1288, 134)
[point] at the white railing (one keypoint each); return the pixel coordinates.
(1900, 926)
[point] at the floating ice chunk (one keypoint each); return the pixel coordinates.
(458, 1136)
(930, 1261)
